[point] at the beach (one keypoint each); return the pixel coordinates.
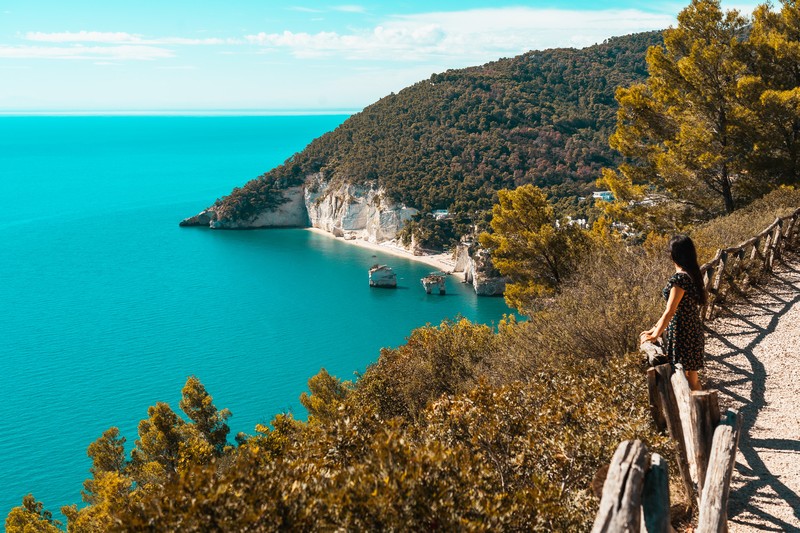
(443, 261)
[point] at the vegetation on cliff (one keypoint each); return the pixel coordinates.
(452, 141)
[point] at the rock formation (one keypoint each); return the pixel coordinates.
(382, 276)
(340, 208)
(476, 264)
(352, 212)
(435, 280)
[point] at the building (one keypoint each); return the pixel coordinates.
(606, 196)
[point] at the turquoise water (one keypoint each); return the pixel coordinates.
(108, 305)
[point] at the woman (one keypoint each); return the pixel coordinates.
(685, 294)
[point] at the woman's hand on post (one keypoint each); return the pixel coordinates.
(648, 335)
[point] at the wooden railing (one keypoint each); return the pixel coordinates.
(736, 267)
(636, 491)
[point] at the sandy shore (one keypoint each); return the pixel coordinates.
(443, 261)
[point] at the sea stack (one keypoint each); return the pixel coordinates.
(382, 276)
(435, 280)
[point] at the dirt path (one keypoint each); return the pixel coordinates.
(754, 363)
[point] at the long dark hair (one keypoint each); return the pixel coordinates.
(684, 254)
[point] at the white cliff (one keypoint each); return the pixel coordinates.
(354, 211)
(479, 271)
(291, 214)
(343, 209)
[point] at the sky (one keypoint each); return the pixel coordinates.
(262, 55)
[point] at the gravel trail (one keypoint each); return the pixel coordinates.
(753, 360)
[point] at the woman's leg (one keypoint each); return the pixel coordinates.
(694, 380)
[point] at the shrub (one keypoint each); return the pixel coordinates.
(739, 226)
(514, 457)
(598, 313)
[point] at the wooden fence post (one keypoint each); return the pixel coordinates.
(736, 268)
(655, 497)
(620, 506)
(706, 411)
(674, 426)
(754, 252)
(776, 247)
(714, 501)
(716, 285)
(794, 232)
(683, 398)
(708, 278)
(788, 235)
(765, 252)
(770, 251)
(656, 407)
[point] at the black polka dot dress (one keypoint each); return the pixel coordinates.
(685, 339)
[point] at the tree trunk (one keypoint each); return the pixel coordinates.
(727, 194)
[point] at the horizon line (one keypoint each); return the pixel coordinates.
(181, 112)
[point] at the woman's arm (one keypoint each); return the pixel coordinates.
(675, 296)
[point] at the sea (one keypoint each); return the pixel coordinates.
(108, 306)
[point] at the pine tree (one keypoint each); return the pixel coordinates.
(772, 93)
(530, 246)
(683, 129)
(208, 420)
(31, 517)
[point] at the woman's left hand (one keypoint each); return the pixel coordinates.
(648, 335)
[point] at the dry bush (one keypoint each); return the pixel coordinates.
(515, 457)
(598, 313)
(739, 226)
(434, 361)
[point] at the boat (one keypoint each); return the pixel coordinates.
(382, 276)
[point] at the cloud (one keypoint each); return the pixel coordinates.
(82, 36)
(118, 38)
(304, 9)
(97, 53)
(350, 9)
(101, 46)
(470, 35)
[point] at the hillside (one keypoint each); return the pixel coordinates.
(450, 142)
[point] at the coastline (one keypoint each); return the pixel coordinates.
(443, 261)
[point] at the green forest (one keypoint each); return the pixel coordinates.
(467, 427)
(454, 140)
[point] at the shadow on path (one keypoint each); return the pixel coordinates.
(751, 319)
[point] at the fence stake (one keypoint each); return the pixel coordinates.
(705, 312)
(767, 252)
(656, 407)
(714, 501)
(620, 506)
(714, 290)
(787, 234)
(655, 497)
(674, 426)
(706, 411)
(776, 247)
(683, 397)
